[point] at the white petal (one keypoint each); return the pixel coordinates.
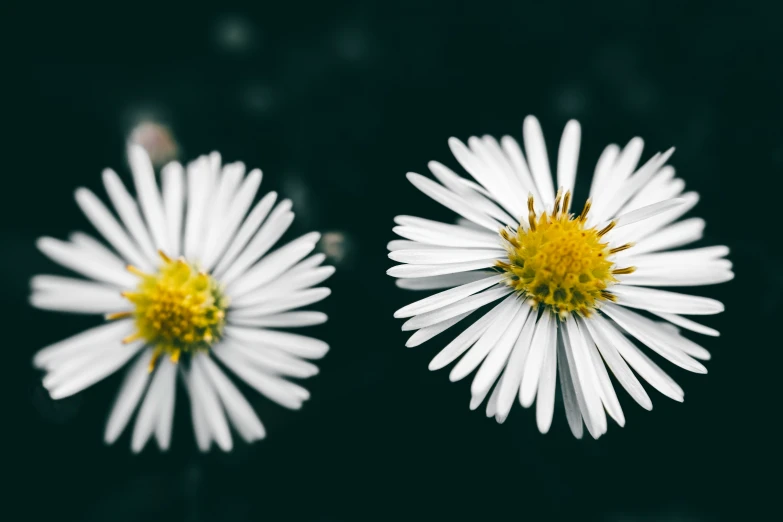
(663, 301)
(603, 169)
(248, 228)
(132, 389)
(239, 411)
(512, 376)
(465, 340)
(294, 279)
(545, 329)
(286, 394)
(283, 304)
(283, 320)
(269, 233)
(567, 158)
(538, 159)
(115, 358)
(447, 297)
(447, 312)
(686, 323)
(413, 271)
(149, 196)
(645, 367)
(200, 426)
(591, 411)
(693, 276)
(570, 401)
(545, 403)
(166, 411)
(517, 160)
(200, 180)
(213, 411)
(154, 400)
(679, 234)
(129, 214)
(233, 219)
(605, 388)
(498, 353)
(491, 338)
(616, 363)
(77, 260)
(452, 201)
(456, 238)
(107, 333)
(105, 223)
(273, 265)
(295, 344)
(268, 359)
(443, 281)
(173, 181)
(443, 256)
(425, 334)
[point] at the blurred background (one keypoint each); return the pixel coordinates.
(336, 101)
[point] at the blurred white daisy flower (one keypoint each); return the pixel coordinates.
(567, 283)
(188, 284)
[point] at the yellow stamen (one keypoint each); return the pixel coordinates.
(179, 309)
(607, 228)
(621, 248)
(558, 262)
(117, 315)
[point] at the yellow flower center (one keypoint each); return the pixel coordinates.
(560, 263)
(178, 309)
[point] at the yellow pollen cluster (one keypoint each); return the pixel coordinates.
(558, 262)
(179, 309)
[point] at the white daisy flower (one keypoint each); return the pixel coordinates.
(187, 284)
(563, 286)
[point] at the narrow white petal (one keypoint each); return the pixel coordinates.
(586, 395)
(88, 301)
(498, 353)
(239, 411)
(199, 183)
(686, 323)
(132, 388)
(149, 196)
(128, 211)
(425, 334)
(603, 168)
(693, 256)
(643, 365)
(286, 394)
(166, 411)
(452, 201)
(270, 360)
(108, 333)
(96, 249)
(249, 228)
(676, 235)
(213, 411)
(443, 256)
(605, 388)
(283, 320)
(297, 299)
(104, 222)
(447, 297)
(99, 369)
(151, 406)
(295, 344)
(545, 329)
(236, 212)
(443, 281)
(490, 339)
(647, 212)
(666, 302)
(294, 279)
(517, 160)
(616, 363)
(218, 208)
(512, 376)
(273, 265)
(173, 181)
(200, 426)
(414, 271)
(464, 305)
(573, 415)
(538, 159)
(668, 277)
(456, 238)
(79, 261)
(567, 157)
(269, 233)
(465, 340)
(545, 403)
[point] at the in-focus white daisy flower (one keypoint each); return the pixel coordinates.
(563, 286)
(188, 284)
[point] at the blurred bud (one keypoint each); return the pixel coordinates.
(157, 140)
(338, 247)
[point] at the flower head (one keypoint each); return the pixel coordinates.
(567, 281)
(186, 280)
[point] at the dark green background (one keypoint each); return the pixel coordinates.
(336, 101)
